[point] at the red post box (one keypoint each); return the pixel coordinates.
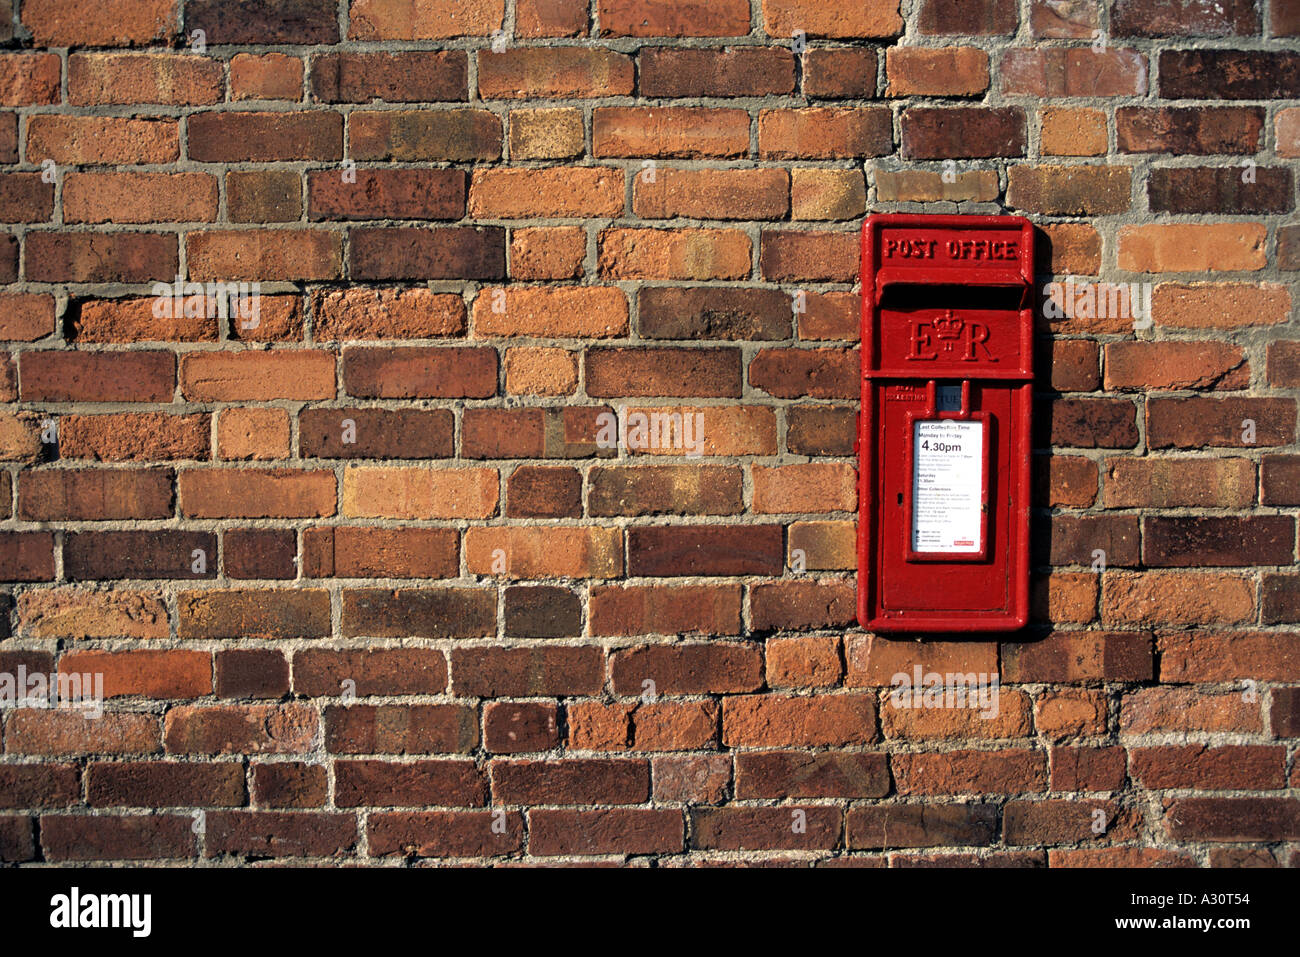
(943, 441)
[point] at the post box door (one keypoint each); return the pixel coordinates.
(944, 444)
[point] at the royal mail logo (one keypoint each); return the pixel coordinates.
(949, 336)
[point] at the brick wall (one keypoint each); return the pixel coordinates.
(360, 576)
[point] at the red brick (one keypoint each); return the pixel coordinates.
(825, 133)
(541, 551)
(39, 785)
(613, 831)
(139, 197)
(734, 71)
(256, 493)
(253, 22)
(444, 783)
(401, 729)
(571, 781)
(715, 668)
(26, 556)
(815, 373)
(431, 20)
(270, 834)
(1196, 131)
(264, 254)
(25, 198)
(1080, 656)
(405, 77)
(251, 673)
(766, 828)
(677, 550)
(962, 132)
(94, 495)
(380, 553)
(871, 18)
(528, 672)
(1163, 18)
(168, 79)
(419, 613)
(978, 17)
(264, 137)
(75, 613)
(680, 132)
(30, 79)
(550, 18)
(840, 72)
(100, 257)
(1229, 767)
(146, 674)
(387, 194)
(1009, 771)
(798, 662)
(445, 834)
(112, 838)
(386, 671)
(712, 194)
(1210, 656)
(265, 76)
(253, 613)
(662, 372)
(517, 727)
(449, 252)
(784, 775)
(780, 721)
(1234, 819)
(644, 726)
(790, 256)
(420, 373)
(554, 73)
(91, 140)
(1076, 71)
(937, 71)
(453, 136)
(636, 609)
(242, 729)
(694, 253)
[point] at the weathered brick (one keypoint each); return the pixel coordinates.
(255, 613)
(94, 495)
(448, 252)
(554, 73)
(419, 612)
(713, 668)
(425, 20)
(1198, 131)
(734, 71)
(419, 372)
(537, 671)
(453, 136)
(962, 132)
(680, 132)
(921, 825)
(407, 77)
(676, 550)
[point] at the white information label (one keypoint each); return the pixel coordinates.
(947, 485)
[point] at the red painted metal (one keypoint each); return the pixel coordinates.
(947, 335)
